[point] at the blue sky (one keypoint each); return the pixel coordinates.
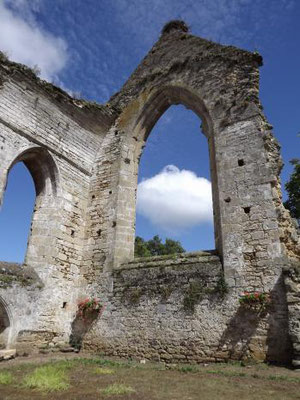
(91, 47)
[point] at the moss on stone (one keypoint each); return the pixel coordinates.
(6, 281)
(12, 273)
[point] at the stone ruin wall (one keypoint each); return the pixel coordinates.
(58, 141)
(84, 160)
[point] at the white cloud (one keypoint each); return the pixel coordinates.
(175, 199)
(25, 42)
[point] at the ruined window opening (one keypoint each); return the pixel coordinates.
(174, 146)
(40, 170)
(16, 214)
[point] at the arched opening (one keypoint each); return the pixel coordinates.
(137, 121)
(4, 326)
(174, 198)
(30, 186)
(16, 214)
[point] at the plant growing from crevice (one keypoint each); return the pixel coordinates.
(134, 295)
(88, 307)
(165, 292)
(193, 295)
(255, 301)
(221, 287)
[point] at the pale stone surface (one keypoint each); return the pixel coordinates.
(84, 160)
(7, 354)
(292, 284)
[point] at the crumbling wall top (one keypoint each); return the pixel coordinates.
(88, 114)
(177, 51)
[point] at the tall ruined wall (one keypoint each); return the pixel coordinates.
(220, 84)
(57, 138)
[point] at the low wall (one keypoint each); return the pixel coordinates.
(34, 315)
(180, 310)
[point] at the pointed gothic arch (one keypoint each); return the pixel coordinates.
(137, 130)
(42, 168)
(44, 172)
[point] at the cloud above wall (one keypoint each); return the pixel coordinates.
(175, 199)
(25, 42)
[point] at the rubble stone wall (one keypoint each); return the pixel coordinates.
(179, 309)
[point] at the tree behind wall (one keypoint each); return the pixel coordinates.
(293, 189)
(155, 247)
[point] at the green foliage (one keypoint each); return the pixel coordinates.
(48, 378)
(103, 371)
(257, 301)
(104, 362)
(6, 280)
(221, 287)
(188, 368)
(155, 247)
(140, 248)
(196, 292)
(6, 378)
(134, 295)
(293, 189)
(193, 295)
(166, 292)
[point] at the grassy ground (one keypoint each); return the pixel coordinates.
(95, 378)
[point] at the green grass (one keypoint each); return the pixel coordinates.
(6, 378)
(104, 362)
(226, 373)
(117, 389)
(283, 378)
(188, 368)
(112, 379)
(103, 371)
(48, 378)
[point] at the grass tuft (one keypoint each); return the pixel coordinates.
(117, 389)
(104, 362)
(188, 368)
(6, 378)
(103, 371)
(48, 378)
(225, 373)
